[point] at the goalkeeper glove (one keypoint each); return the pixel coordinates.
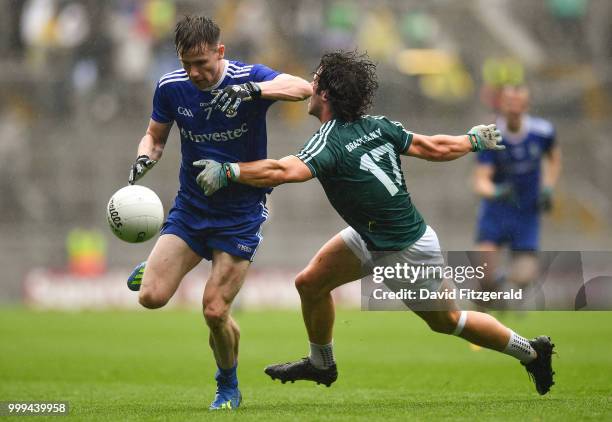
(504, 192)
(483, 137)
(545, 202)
(230, 97)
(142, 164)
(215, 176)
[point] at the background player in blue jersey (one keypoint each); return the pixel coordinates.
(516, 184)
(219, 106)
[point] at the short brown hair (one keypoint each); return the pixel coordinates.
(195, 32)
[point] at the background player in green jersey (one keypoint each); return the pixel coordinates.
(356, 159)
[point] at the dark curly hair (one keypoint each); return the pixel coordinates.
(350, 81)
(195, 32)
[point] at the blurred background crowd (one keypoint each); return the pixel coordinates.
(77, 78)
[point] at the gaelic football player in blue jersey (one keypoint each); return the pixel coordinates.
(516, 185)
(356, 158)
(219, 106)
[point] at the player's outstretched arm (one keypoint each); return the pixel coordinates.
(262, 173)
(439, 147)
(150, 149)
(286, 87)
(447, 147)
(270, 173)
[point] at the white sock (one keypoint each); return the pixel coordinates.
(460, 324)
(520, 348)
(322, 356)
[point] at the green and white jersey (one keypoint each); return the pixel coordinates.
(358, 165)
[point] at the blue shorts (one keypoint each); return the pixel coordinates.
(238, 235)
(520, 231)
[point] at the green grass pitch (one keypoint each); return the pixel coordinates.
(155, 365)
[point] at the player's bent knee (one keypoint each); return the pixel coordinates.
(152, 300)
(215, 315)
(309, 286)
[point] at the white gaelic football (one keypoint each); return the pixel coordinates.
(135, 213)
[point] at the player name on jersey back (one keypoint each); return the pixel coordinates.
(362, 140)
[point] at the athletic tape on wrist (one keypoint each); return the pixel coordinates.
(473, 141)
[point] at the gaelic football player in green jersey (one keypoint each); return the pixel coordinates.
(356, 158)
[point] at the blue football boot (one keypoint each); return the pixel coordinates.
(228, 395)
(134, 280)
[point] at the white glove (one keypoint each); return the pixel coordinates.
(483, 137)
(214, 175)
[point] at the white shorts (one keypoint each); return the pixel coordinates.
(424, 252)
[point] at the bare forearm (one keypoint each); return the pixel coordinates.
(262, 173)
(285, 88)
(484, 187)
(483, 181)
(552, 169)
(448, 148)
(269, 173)
(149, 147)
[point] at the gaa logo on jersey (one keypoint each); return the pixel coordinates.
(184, 112)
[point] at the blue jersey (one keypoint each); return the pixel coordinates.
(210, 134)
(519, 165)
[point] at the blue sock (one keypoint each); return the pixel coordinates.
(227, 377)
